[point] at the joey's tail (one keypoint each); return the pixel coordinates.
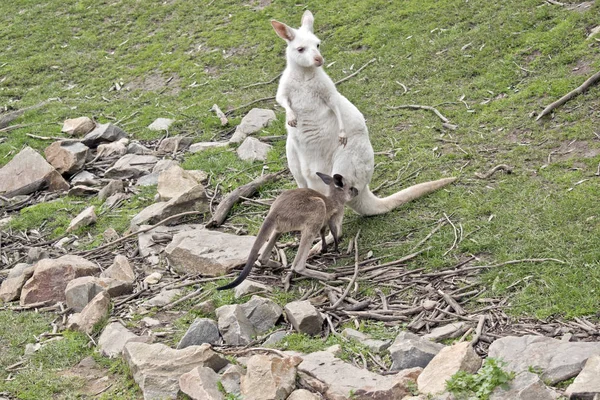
(366, 203)
(263, 235)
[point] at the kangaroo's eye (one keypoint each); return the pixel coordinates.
(318, 45)
(300, 49)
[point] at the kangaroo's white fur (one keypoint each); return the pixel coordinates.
(326, 132)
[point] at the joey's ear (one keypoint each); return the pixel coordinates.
(325, 178)
(308, 20)
(338, 180)
(284, 31)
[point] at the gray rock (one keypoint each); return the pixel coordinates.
(410, 350)
(254, 121)
(84, 218)
(173, 144)
(83, 191)
(103, 133)
(112, 187)
(210, 253)
(152, 243)
(201, 383)
(80, 291)
(304, 317)
(193, 199)
(587, 384)
(131, 166)
(198, 147)
(67, 157)
(249, 286)
(92, 313)
(120, 270)
(11, 287)
(269, 378)
(161, 124)
(275, 338)
(303, 394)
(114, 201)
(558, 360)
(36, 254)
(139, 149)
(156, 368)
(262, 313)
(29, 172)
(253, 149)
(163, 298)
(231, 379)
(337, 379)
(114, 337)
(113, 149)
(202, 330)
(148, 180)
(452, 330)
(164, 165)
(51, 276)
(525, 386)
(84, 178)
(374, 345)
(110, 235)
(173, 182)
(78, 126)
(450, 360)
(234, 326)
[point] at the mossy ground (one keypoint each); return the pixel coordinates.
(485, 65)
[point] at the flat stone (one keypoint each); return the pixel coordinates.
(449, 360)
(112, 149)
(173, 144)
(67, 157)
(202, 330)
(275, 338)
(231, 379)
(103, 133)
(29, 172)
(253, 149)
(525, 386)
(153, 278)
(410, 350)
(156, 368)
(120, 270)
(206, 252)
(163, 298)
(139, 149)
(131, 166)
(198, 147)
(303, 394)
(234, 326)
(558, 360)
(10, 289)
(249, 286)
(78, 126)
(452, 330)
(51, 276)
(112, 187)
(84, 218)
(83, 191)
(148, 180)
(161, 124)
(262, 313)
(269, 378)
(337, 379)
(173, 182)
(92, 313)
(85, 178)
(587, 384)
(201, 383)
(164, 164)
(253, 122)
(80, 291)
(304, 317)
(110, 235)
(114, 337)
(114, 200)
(194, 199)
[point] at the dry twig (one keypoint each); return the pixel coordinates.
(584, 86)
(501, 167)
(420, 107)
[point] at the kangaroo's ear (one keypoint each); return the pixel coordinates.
(284, 31)
(308, 20)
(325, 178)
(338, 180)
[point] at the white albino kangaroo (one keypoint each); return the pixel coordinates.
(325, 131)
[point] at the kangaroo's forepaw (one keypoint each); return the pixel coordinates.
(292, 122)
(343, 140)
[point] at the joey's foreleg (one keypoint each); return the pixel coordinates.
(324, 240)
(337, 223)
(299, 264)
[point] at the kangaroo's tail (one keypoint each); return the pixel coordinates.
(263, 235)
(366, 203)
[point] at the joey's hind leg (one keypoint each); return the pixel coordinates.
(324, 240)
(266, 253)
(299, 264)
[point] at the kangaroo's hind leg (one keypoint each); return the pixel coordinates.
(266, 252)
(299, 264)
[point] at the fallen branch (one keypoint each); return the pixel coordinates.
(584, 86)
(262, 83)
(222, 117)
(232, 198)
(13, 127)
(11, 116)
(356, 72)
(420, 107)
(351, 283)
(52, 138)
(119, 240)
(501, 167)
(229, 112)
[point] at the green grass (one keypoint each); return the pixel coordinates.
(485, 65)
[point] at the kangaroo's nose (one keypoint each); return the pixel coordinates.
(318, 61)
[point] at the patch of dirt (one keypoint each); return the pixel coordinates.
(521, 136)
(258, 5)
(582, 68)
(574, 149)
(97, 379)
(532, 56)
(156, 81)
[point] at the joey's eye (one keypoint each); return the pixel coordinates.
(300, 49)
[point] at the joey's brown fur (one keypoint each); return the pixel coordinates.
(304, 210)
